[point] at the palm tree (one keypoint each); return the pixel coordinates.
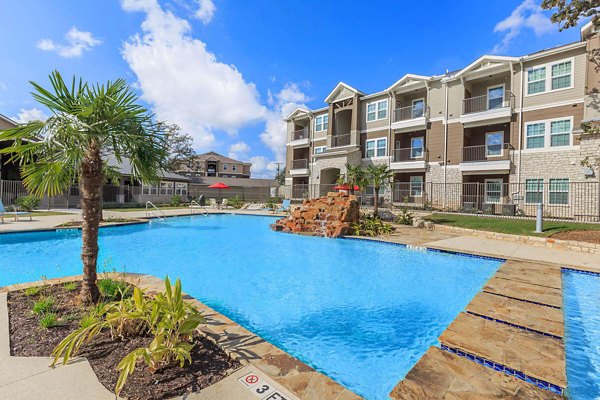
(379, 176)
(355, 176)
(88, 122)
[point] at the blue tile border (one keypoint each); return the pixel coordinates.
(503, 368)
(421, 248)
(580, 271)
(526, 301)
(514, 325)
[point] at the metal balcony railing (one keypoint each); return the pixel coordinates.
(486, 103)
(410, 112)
(300, 134)
(300, 164)
(410, 154)
(489, 152)
(340, 140)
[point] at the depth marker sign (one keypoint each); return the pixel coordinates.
(260, 388)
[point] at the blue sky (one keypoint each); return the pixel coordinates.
(228, 71)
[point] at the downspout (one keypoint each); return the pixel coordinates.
(311, 154)
(520, 119)
(445, 138)
(391, 137)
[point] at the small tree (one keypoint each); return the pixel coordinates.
(179, 145)
(379, 176)
(88, 122)
(355, 176)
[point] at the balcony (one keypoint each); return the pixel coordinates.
(490, 158)
(299, 138)
(411, 118)
(487, 110)
(409, 159)
(340, 140)
(299, 167)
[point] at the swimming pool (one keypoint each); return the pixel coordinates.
(361, 312)
(582, 334)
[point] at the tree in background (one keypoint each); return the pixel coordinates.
(379, 176)
(179, 145)
(88, 122)
(281, 177)
(355, 176)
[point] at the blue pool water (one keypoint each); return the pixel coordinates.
(361, 312)
(581, 294)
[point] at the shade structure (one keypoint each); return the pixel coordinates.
(219, 185)
(345, 187)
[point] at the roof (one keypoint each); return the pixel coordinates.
(125, 168)
(339, 86)
(407, 77)
(214, 156)
(297, 111)
(481, 60)
(10, 121)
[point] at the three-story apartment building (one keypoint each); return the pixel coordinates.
(499, 121)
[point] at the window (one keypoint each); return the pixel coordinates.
(319, 150)
(370, 149)
(224, 167)
(166, 187)
(549, 77)
(493, 190)
(181, 188)
(559, 191)
(535, 135)
(321, 123)
(536, 80)
(416, 147)
(234, 167)
(418, 108)
(381, 147)
(534, 191)
(416, 186)
(561, 75)
(560, 133)
(149, 189)
(377, 110)
(493, 143)
(495, 97)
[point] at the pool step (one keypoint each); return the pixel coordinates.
(522, 314)
(540, 358)
(514, 289)
(532, 273)
(442, 375)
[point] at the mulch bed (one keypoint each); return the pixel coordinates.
(110, 221)
(28, 339)
(582, 236)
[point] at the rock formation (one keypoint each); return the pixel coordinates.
(329, 216)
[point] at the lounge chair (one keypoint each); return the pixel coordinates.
(16, 213)
(285, 206)
(213, 203)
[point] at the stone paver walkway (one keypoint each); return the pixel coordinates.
(524, 291)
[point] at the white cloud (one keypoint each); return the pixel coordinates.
(184, 81)
(32, 114)
(77, 42)
(206, 11)
(263, 168)
(239, 150)
(526, 15)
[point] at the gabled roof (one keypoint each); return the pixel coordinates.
(10, 121)
(483, 60)
(214, 156)
(125, 168)
(407, 78)
(296, 111)
(338, 87)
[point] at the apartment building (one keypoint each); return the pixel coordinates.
(499, 121)
(213, 164)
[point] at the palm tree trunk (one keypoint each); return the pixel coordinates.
(90, 180)
(376, 201)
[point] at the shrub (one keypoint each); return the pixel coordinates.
(235, 202)
(165, 316)
(88, 320)
(404, 218)
(371, 226)
(112, 290)
(27, 203)
(176, 201)
(48, 321)
(43, 306)
(32, 291)
(70, 286)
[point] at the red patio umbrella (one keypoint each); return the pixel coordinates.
(219, 185)
(345, 187)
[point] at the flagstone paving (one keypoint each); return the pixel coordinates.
(442, 375)
(532, 273)
(524, 291)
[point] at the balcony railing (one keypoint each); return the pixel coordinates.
(486, 103)
(410, 154)
(340, 140)
(410, 112)
(489, 152)
(300, 134)
(300, 164)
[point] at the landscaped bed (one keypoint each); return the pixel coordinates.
(40, 318)
(108, 221)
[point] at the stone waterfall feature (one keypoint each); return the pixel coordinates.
(329, 216)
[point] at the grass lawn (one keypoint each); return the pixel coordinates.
(507, 225)
(144, 208)
(47, 213)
